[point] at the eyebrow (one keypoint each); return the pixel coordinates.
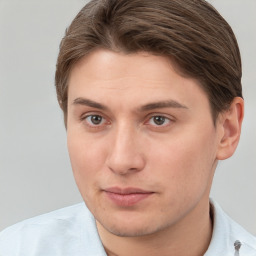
(143, 108)
(89, 103)
(162, 104)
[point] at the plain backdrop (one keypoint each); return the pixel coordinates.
(35, 173)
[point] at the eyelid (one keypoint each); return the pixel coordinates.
(160, 114)
(152, 115)
(91, 113)
(95, 113)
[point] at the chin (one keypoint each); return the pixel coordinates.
(130, 231)
(131, 228)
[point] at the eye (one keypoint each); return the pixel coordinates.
(94, 120)
(159, 121)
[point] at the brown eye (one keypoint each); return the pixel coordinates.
(94, 119)
(159, 120)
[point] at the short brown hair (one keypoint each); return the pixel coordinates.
(191, 32)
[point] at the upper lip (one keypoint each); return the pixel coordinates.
(127, 191)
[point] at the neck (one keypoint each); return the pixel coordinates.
(192, 234)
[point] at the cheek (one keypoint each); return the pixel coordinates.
(84, 151)
(87, 160)
(185, 165)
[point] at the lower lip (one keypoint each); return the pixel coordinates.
(127, 199)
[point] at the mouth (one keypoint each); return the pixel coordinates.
(126, 197)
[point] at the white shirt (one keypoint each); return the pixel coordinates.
(72, 231)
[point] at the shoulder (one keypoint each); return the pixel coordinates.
(59, 232)
(226, 232)
(54, 218)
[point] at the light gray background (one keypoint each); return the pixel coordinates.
(35, 173)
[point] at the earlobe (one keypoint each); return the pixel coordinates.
(231, 122)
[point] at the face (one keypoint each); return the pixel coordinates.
(141, 140)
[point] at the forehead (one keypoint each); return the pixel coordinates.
(106, 76)
(103, 66)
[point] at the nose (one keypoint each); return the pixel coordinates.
(125, 154)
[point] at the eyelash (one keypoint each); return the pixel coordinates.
(89, 123)
(166, 119)
(149, 118)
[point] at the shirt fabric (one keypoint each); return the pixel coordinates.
(72, 231)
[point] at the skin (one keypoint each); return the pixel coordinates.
(174, 159)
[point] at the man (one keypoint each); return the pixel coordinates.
(152, 99)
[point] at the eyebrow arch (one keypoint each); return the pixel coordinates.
(162, 104)
(146, 107)
(89, 103)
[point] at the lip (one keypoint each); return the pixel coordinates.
(126, 196)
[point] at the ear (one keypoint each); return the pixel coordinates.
(230, 123)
